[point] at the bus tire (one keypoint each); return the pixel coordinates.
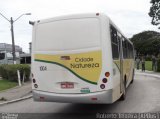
(132, 77)
(123, 96)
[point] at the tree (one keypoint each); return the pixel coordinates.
(155, 12)
(147, 42)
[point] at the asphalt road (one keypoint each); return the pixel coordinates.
(142, 96)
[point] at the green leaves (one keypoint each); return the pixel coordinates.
(9, 72)
(147, 42)
(155, 12)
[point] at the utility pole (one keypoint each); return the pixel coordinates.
(12, 33)
(13, 44)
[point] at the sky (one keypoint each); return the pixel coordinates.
(131, 16)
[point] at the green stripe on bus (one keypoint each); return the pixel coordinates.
(67, 69)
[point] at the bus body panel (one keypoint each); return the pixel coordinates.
(84, 75)
(97, 97)
(128, 66)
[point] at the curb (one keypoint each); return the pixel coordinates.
(151, 75)
(16, 100)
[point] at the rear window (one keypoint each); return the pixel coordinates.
(68, 34)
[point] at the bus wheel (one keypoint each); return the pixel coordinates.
(123, 96)
(132, 77)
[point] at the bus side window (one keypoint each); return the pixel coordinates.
(114, 41)
(125, 48)
(130, 51)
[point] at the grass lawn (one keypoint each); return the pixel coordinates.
(5, 84)
(148, 65)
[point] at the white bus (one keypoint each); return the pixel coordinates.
(80, 59)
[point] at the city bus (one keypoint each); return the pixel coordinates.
(80, 58)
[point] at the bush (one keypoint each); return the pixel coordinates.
(148, 58)
(9, 72)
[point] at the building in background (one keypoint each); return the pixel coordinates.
(25, 58)
(6, 56)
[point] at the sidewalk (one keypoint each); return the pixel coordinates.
(148, 73)
(16, 93)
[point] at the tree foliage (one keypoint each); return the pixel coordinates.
(155, 12)
(147, 42)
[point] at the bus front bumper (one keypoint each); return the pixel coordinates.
(97, 97)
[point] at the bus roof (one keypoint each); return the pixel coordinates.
(73, 16)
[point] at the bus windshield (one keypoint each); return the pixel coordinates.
(68, 34)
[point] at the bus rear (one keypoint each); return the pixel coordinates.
(67, 61)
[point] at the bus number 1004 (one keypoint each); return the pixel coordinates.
(43, 68)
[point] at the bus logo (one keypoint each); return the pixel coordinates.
(65, 58)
